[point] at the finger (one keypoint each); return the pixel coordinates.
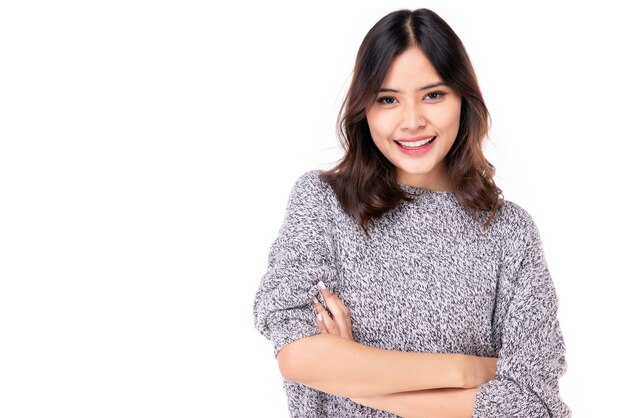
(345, 309)
(319, 321)
(345, 317)
(327, 321)
(342, 305)
(340, 313)
(319, 318)
(346, 313)
(334, 305)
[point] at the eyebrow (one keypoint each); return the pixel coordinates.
(426, 87)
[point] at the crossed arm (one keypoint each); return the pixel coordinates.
(402, 383)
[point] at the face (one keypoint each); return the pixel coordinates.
(415, 120)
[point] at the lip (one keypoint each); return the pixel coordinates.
(415, 139)
(418, 151)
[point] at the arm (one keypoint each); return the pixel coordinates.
(332, 362)
(526, 334)
(527, 337)
(301, 256)
(436, 403)
(529, 341)
(345, 368)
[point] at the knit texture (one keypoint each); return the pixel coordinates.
(429, 279)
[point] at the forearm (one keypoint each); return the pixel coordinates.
(345, 368)
(435, 403)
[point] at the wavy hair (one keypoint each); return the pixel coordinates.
(364, 180)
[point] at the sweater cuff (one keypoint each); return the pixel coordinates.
(287, 326)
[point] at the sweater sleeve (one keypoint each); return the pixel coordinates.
(526, 333)
(299, 258)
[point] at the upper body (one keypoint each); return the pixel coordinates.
(454, 269)
(429, 279)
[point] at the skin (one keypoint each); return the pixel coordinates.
(414, 103)
(355, 370)
(433, 403)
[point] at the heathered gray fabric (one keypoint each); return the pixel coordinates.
(430, 279)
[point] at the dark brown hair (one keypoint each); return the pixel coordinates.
(364, 180)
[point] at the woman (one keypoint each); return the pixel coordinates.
(435, 296)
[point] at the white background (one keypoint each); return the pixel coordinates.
(147, 150)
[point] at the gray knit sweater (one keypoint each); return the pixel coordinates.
(430, 279)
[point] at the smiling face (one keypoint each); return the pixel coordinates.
(415, 120)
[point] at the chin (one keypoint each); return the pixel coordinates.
(416, 171)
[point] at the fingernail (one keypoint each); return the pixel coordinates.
(315, 300)
(321, 285)
(319, 317)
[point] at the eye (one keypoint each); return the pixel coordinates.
(386, 100)
(435, 95)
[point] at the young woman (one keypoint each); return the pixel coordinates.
(435, 296)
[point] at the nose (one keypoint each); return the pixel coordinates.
(413, 117)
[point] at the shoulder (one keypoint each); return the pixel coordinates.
(310, 184)
(311, 192)
(515, 226)
(311, 180)
(513, 216)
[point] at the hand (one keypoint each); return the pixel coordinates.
(481, 370)
(340, 323)
(374, 402)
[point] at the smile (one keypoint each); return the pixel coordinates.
(416, 147)
(416, 144)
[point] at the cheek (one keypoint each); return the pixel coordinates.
(381, 123)
(448, 120)
(378, 131)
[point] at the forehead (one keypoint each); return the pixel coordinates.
(410, 67)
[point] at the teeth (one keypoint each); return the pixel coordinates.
(415, 144)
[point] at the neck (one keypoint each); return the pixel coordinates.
(434, 180)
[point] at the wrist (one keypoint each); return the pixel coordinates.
(477, 371)
(465, 371)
